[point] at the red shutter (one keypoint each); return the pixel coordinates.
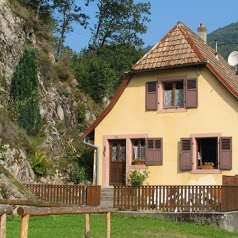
(191, 93)
(151, 96)
(225, 149)
(186, 154)
(154, 151)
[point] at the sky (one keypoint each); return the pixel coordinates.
(166, 13)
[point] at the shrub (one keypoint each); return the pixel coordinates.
(78, 175)
(40, 163)
(137, 178)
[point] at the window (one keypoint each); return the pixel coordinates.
(118, 151)
(138, 149)
(208, 150)
(173, 94)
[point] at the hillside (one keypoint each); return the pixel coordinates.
(49, 150)
(227, 39)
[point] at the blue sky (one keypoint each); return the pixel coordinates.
(166, 13)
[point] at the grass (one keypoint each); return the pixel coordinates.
(72, 226)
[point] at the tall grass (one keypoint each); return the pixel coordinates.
(72, 226)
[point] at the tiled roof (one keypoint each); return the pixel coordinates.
(182, 47)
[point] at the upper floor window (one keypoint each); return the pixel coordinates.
(167, 94)
(173, 94)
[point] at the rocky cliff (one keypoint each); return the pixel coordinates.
(61, 103)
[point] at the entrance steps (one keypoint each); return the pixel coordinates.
(107, 197)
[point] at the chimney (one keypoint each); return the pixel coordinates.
(202, 32)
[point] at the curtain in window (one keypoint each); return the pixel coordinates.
(123, 153)
(168, 98)
(114, 153)
(179, 97)
(135, 151)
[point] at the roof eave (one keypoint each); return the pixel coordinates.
(222, 80)
(170, 67)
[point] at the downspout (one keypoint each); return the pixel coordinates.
(97, 161)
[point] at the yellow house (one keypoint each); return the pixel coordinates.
(175, 111)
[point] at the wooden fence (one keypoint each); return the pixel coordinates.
(35, 208)
(25, 213)
(4, 211)
(68, 194)
(176, 198)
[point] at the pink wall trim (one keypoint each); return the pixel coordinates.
(194, 144)
(106, 158)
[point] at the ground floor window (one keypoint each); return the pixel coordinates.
(207, 152)
(196, 152)
(138, 149)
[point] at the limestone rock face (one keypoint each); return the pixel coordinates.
(12, 39)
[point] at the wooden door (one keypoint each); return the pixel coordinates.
(117, 162)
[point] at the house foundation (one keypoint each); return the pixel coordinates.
(225, 220)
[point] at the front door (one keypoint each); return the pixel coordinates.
(117, 162)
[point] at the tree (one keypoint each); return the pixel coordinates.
(24, 93)
(95, 76)
(68, 13)
(99, 73)
(120, 22)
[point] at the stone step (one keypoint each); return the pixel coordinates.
(107, 197)
(106, 203)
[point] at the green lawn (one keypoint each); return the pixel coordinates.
(72, 226)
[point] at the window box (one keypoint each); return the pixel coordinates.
(207, 166)
(138, 162)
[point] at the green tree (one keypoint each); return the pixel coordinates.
(99, 73)
(94, 75)
(120, 22)
(68, 12)
(24, 92)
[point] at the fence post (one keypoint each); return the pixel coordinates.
(24, 226)
(93, 195)
(108, 215)
(3, 225)
(87, 225)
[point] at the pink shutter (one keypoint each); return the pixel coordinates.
(151, 95)
(154, 151)
(191, 93)
(225, 149)
(186, 154)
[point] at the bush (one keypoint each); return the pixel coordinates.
(137, 178)
(78, 175)
(40, 163)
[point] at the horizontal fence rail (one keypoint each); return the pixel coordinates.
(26, 212)
(172, 198)
(67, 194)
